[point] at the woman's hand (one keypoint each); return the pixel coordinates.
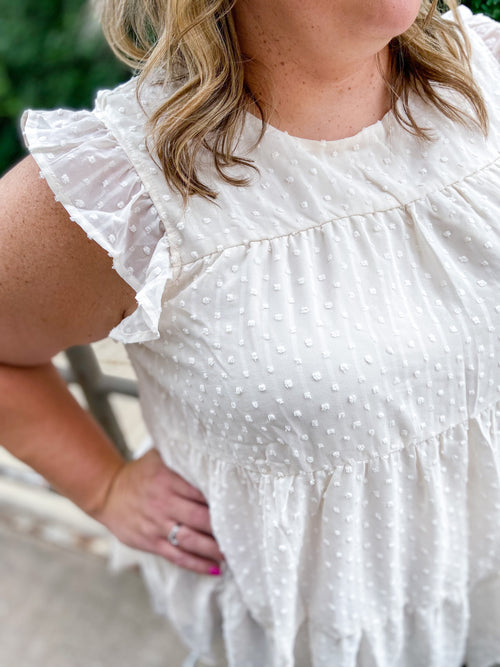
(146, 500)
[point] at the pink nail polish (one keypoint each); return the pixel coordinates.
(214, 571)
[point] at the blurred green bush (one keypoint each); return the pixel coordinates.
(52, 55)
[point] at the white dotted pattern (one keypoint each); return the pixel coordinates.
(320, 355)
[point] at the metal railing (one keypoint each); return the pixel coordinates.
(97, 387)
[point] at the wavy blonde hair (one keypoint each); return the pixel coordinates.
(195, 44)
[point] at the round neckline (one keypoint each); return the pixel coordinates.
(375, 131)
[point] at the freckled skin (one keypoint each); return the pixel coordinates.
(319, 66)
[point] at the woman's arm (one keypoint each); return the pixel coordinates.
(58, 288)
(43, 425)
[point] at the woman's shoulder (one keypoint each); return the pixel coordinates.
(116, 123)
(99, 171)
(135, 95)
(55, 274)
(484, 27)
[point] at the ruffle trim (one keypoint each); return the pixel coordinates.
(100, 189)
(426, 495)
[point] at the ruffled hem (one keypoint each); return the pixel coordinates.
(93, 179)
(383, 567)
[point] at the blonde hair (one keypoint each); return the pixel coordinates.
(195, 44)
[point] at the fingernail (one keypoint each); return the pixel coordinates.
(214, 571)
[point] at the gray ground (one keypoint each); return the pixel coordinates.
(60, 607)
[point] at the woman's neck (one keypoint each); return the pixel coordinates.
(317, 74)
(324, 109)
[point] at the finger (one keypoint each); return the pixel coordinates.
(187, 490)
(191, 514)
(186, 559)
(175, 481)
(198, 544)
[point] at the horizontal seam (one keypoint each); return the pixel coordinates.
(176, 261)
(319, 225)
(411, 444)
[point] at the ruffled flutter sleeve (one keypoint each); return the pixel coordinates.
(92, 177)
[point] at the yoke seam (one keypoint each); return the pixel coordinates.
(319, 225)
(375, 458)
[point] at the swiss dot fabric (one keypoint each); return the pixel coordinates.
(319, 354)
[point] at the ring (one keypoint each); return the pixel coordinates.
(172, 536)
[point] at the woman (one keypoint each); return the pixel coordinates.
(316, 338)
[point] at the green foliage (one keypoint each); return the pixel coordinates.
(52, 54)
(488, 7)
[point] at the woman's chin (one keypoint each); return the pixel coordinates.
(386, 19)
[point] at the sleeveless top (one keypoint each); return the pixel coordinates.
(319, 353)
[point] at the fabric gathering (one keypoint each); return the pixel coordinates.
(319, 354)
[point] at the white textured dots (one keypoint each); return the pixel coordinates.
(318, 354)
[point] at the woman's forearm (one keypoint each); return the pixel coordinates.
(44, 426)
(138, 501)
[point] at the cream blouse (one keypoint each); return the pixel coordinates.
(319, 353)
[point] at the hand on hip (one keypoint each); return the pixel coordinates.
(150, 507)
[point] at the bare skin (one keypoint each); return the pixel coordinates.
(58, 288)
(325, 63)
(318, 65)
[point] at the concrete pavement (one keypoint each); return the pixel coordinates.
(61, 607)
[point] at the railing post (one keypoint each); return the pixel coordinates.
(96, 388)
